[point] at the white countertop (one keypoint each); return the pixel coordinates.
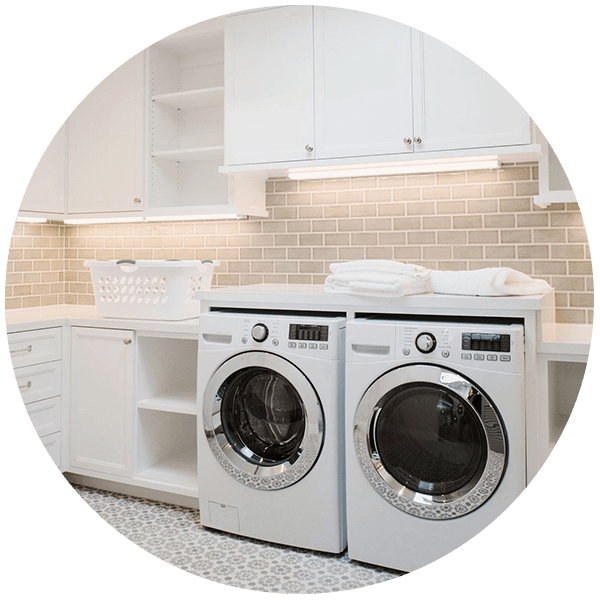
(21, 319)
(314, 297)
(557, 338)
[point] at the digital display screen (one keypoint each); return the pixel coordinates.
(317, 333)
(493, 342)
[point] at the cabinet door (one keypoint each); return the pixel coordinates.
(46, 191)
(363, 87)
(458, 105)
(101, 399)
(105, 137)
(269, 113)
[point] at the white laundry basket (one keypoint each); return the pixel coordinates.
(149, 289)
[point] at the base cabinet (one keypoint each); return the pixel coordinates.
(101, 426)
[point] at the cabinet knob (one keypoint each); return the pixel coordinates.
(308, 148)
(127, 341)
(407, 141)
(137, 200)
(418, 140)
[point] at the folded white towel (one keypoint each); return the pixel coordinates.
(379, 266)
(377, 278)
(494, 281)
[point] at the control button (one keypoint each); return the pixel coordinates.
(244, 340)
(406, 351)
(504, 358)
(466, 356)
(275, 342)
(492, 357)
(260, 332)
(479, 357)
(425, 342)
(323, 346)
(291, 344)
(312, 346)
(445, 353)
(301, 344)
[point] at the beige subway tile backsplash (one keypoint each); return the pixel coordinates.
(454, 221)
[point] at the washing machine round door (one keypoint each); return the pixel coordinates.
(430, 442)
(263, 420)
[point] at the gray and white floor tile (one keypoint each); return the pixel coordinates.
(175, 535)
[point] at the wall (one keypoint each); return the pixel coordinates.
(465, 220)
(36, 267)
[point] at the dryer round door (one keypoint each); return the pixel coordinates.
(430, 442)
(263, 420)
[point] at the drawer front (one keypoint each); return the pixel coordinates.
(52, 444)
(34, 347)
(45, 415)
(39, 381)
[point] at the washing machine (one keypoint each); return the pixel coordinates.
(435, 434)
(271, 428)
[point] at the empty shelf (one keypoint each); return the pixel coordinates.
(192, 154)
(191, 99)
(179, 402)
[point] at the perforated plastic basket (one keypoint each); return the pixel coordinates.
(149, 289)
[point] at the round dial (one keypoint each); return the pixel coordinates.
(425, 342)
(260, 332)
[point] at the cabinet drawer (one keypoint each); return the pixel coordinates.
(52, 444)
(45, 415)
(39, 382)
(34, 347)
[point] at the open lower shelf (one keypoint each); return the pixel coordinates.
(180, 471)
(192, 154)
(183, 403)
(202, 98)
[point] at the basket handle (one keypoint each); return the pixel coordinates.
(127, 265)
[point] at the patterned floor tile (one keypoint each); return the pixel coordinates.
(175, 535)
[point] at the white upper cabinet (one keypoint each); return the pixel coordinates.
(46, 190)
(106, 144)
(363, 88)
(457, 105)
(269, 114)
(379, 88)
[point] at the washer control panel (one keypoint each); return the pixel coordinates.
(486, 342)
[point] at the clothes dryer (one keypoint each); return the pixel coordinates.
(435, 435)
(271, 428)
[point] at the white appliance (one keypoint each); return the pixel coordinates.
(271, 428)
(435, 435)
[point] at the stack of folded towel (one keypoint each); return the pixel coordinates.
(386, 278)
(377, 278)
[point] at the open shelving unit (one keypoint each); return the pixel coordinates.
(186, 130)
(166, 413)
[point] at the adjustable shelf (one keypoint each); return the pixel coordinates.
(192, 99)
(183, 403)
(191, 154)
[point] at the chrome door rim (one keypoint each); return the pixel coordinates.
(435, 507)
(264, 477)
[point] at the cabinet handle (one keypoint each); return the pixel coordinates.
(407, 141)
(137, 200)
(418, 140)
(308, 148)
(127, 341)
(25, 386)
(26, 349)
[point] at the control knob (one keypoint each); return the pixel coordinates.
(425, 342)
(260, 332)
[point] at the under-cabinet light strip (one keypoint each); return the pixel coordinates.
(101, 220)
(32, 220)
(195, 217)
(406, 168)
